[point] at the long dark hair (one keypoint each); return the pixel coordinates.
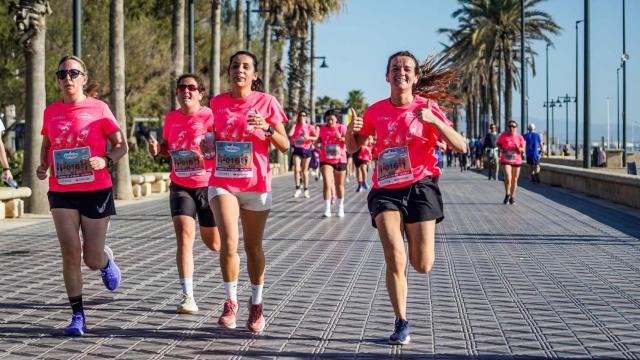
(257, 84)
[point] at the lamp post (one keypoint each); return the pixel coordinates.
(547, 99)
(618, 101)
(566, 99)
(77, 29)
(577, 122)
(608, 123)
(586, 151)
(266, 64)
(523, 70)
(624, 59)
(312, 101)
(551, 104)
(191, 11)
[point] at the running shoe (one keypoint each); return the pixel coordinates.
(512, 200)
(506, 199)
(340, 211)
(306, 194)
(327, 213)
(187, 305)
(77, 327)
(400, 334)
(229, 313)
(255, 322)
(366, 185)
(359, 188)
(111, 274)
(297, 193)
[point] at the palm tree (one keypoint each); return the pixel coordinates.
(487, 36)
(30, 24)
(177, 47)
(214, 77)
(355, 100)
(239, 25)
(123, 188)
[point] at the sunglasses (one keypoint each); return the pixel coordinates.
(73, 73)
(512, 126)
(184, 87)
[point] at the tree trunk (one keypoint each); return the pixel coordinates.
(266, 57)
(278, 75)
(469, 115)
(122, 184)
(36, 97)
(214, 66)
(239, 24)
(177, 48)
(508, 79)
(303, 79)
(495, 107)
(312, 68)
(292, 81)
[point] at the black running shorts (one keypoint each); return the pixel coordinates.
(336, 167)
(191, 202)
(95, 204)
(420, 201)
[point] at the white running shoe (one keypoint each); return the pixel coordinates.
(306, 194)
(327, 213)
(297, 193)
(340, 211)
(187, 305)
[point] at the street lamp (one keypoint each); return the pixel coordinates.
(547, 99)
(275, 23)
(266, 56)
(618, 101)
(577, 22)
(566, 100)
(624, 59)
(77, 29)
(551, 104)
(312, 100)
(586, 151)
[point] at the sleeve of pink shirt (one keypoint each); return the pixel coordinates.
(165, 127)
(275, 115)
(109, 123)
(45, 124)
(439, 114)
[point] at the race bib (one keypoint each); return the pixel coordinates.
(234, 159)
(299, 142)
(71, 166)
(394, 166)
(187, 163)
(332, 151)
(510, 155)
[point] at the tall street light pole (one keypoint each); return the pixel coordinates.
(618, 106)
(586, 160)
(625, 57)
(523, 70)
(77, 29)
(577, 123)
(547, 100)
(566, 99)
(191, 10)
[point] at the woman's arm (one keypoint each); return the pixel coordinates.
(279, 138)
(354, 140)
(41, 170)
(119, 148)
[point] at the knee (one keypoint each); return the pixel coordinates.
(253, 250)
(396, 262)
(423, 266)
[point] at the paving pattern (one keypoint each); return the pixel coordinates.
(557, 275)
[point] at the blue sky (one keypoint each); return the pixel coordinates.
(358, 41)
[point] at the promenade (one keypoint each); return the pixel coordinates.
(557, 275)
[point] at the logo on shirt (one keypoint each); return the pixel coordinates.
(84, 116)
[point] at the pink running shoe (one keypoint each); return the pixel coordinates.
(228, 317)
(255, 322)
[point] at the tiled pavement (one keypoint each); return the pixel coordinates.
(557, 275)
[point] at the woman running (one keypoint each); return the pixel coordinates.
(512, 146)
(182, 132)
(302, 134)
(361, 159)
(246, 121)
(333, 161)
(404, 198)
(75, 133)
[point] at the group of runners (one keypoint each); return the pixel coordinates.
(221, 176)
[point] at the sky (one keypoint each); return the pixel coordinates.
(358, 41)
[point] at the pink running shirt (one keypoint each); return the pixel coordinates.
(404, 144)
(241, 163)
(333, 151)
(508, 153)
(78, 131)
(300, 132)
(183, 133)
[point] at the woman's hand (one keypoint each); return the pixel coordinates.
(154, 146)
(41, 171)
(97, 162)
(426, 114)
(256, 119)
